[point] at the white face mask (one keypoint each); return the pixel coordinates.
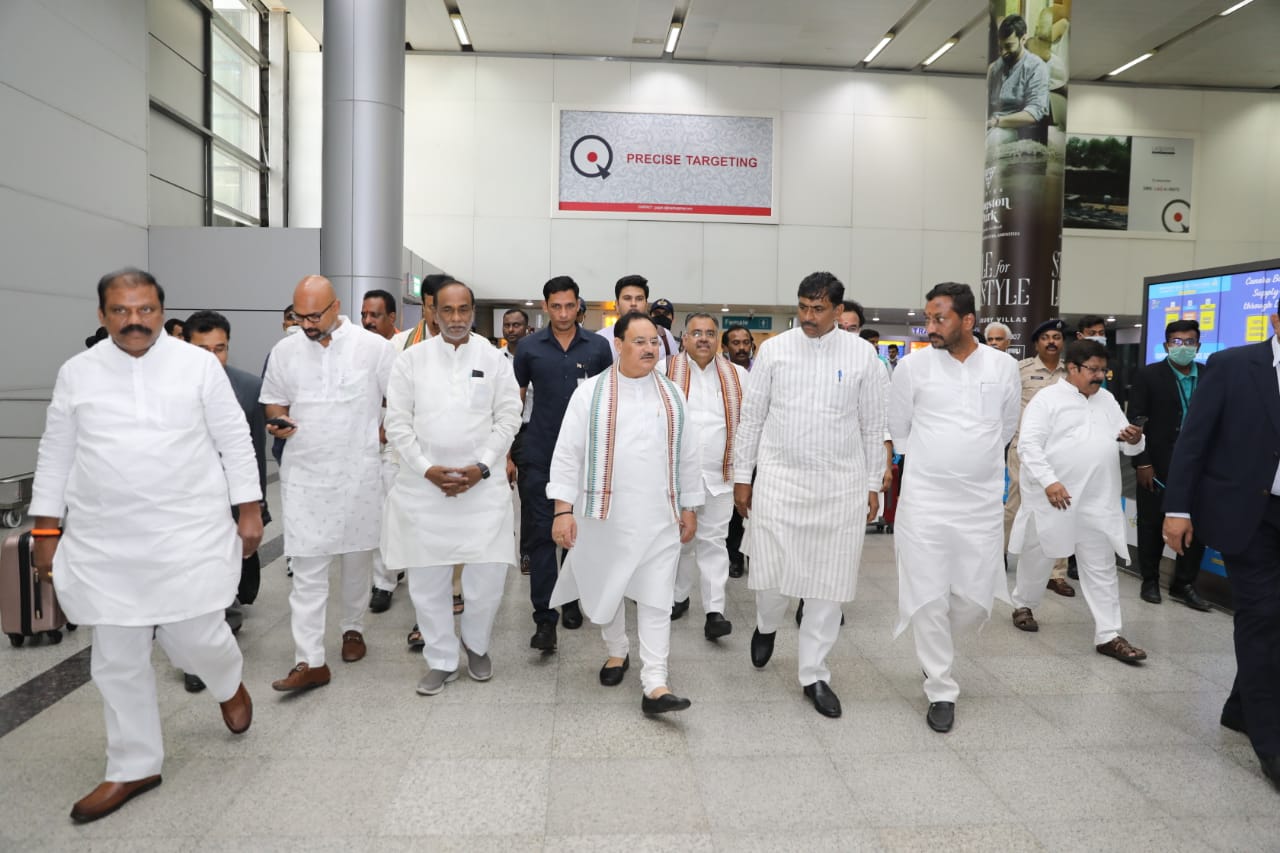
(1098, 339)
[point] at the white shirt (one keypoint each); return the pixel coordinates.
(1069, 438)
(330, 474)
(145, 456)
(706, 411)
(527, 412)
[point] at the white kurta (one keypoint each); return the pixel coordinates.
(632, 553)
(145, 456)
(1069, 438)
(952, 420)
(330, 474)
(450, 407)
(706, 410)
(813, 429)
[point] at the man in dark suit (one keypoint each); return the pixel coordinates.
(1225, 480)
(1162, 393)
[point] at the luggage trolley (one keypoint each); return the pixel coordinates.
(15, 497)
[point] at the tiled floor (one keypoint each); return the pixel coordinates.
(1055, 747)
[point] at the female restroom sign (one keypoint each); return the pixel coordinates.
(671, 166)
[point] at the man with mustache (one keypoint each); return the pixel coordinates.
(1071, 500)
(327, 386)
(952, 410)
(1017, 84)
(812, 432)
(378, 315)
(714, 388)
(626, 484)
(145, 450)
(738, 347)
(1037, 373)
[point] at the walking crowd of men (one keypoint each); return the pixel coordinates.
(647, 465)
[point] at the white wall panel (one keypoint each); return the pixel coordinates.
(890, 95)
(739, 264)
(31, 350)
(803, 249)
(956, 99)
(513, 150)
(431, 79)
(119, 25)
(668, 87)
(952, 165)
(669, 254)
(816, 168)
(445, 241)
(174, 82)
(1094, 273)
(1163, 111)
(180, 26)
(514, 80)
(234, 268)
(1221, 253)
(1237, 147)
(592, 83)
(888, 175)
(1099, 109)
(885, 267)
(591, 252)
(950, 256)
(512, 257)
(1152, 257)
(440, 161)
(744, 88)
(807, 91)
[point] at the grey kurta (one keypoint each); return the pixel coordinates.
(813, 428)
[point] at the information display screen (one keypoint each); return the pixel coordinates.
(1232, 305)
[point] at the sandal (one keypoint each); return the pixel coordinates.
(458, 605)
(1023, 620)
(416, 643)
(1122, 650)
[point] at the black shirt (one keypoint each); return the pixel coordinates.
(555, 374)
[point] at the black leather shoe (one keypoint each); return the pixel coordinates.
(736, 569)
(192, 682)
(823, 698)
(941, 716)
(571, 616)
(679, 609)
(717, 626)
(799, 613)
(1073, 571)
(1271, 769)
(1150, 592)
(544, 638)
(762, 647)
(611, 676)
(1232, 719)
(1188, 596)
(664, 703)
(380, 601)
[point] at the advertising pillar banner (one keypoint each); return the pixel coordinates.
(1025, 157)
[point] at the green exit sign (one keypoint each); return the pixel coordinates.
(755, 324)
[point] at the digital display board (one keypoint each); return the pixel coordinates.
(1232, 305)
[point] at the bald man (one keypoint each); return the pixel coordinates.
(323, 394)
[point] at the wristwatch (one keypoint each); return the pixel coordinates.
(484, 470)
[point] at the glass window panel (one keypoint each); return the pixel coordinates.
(242, 16)
(235, 184)
(234, 124)
(234, 71)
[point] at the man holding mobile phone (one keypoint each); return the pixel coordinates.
(1162, 392)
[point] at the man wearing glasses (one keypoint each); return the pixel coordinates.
(323, 393)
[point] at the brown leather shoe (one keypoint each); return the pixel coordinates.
(1023, 620)
(303, 677)
(237, 712)
(108, 797)
(353, 647)
(1120, 649)
(1061, 587)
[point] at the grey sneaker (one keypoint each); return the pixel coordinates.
(479, 667)
(434, 681)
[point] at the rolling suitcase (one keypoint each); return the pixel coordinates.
(28, 605)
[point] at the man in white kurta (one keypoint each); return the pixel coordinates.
(812, 429)
(328, 384)
(453, 407)
(625, 482)
(714, 389)
(1071, 494)
(144, 452)
(952, 410)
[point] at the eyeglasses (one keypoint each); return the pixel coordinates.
(1183, 342)
(1097, 371)
(701, 333)
(313, 318)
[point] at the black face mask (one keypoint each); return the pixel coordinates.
(661, 320)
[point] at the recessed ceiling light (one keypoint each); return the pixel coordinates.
(875, 319)
(1137, 325)
(1131, 63)
(1111, 319)
(673, 36)
(460, 29)
(724, 310)
(911, 313)
(875, 51)
(1235, 8)
(528, 302)
(937, 54)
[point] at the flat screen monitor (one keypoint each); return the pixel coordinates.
(1232, 305)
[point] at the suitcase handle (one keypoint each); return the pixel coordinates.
(28, 584)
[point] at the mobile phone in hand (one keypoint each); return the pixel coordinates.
(281, 423)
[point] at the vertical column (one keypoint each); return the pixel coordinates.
(362, 212)
(1026, 154)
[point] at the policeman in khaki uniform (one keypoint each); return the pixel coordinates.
(1040, 371)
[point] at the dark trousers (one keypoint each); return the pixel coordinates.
(250, 578)
(538, 512)
(526, 519)
(1254, 574)
(1151, 543)
(733, 541)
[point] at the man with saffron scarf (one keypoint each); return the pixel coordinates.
(626, 483)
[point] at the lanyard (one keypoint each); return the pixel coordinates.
(1186, 387)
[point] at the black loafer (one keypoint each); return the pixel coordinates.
(736, 569)
(1188, 596)
(717, 626)
(941, 716)
(544, 639)
(192, 683)
(571, 616)
(1232, 719)
(762, 647)
(823, 698)
(380, 601)
(1271, 769)
(664, 703)
(799, 613)
(679, 609)
(1150, 592)
(611, 676)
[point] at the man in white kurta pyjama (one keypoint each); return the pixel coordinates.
(329, 383)
(145, 450)
(453, 407)
(952, 409)
(812, 429)
(1071, 494)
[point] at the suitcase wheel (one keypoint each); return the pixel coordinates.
(12, 518)
(17, 640)
(71, 626)
(55, 637)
